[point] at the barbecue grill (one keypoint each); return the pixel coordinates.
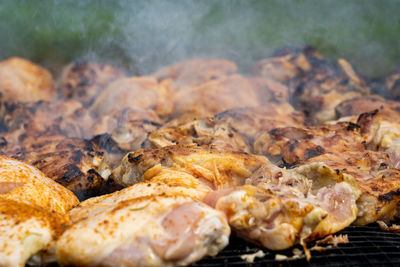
(368, 246)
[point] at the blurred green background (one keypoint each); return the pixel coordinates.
(142, 36)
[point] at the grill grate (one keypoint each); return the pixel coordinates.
(368, 246)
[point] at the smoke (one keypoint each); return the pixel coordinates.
(141, 36)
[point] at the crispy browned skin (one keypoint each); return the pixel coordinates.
(72, 162)
(23, 81)
(359, 105)
(214, 168)
(317, 84)
(233, 129)
(291, 144)
(194, 72)
(378, 181)
(83, 81)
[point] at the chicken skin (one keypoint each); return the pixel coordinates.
(32, 209)
(144, 227)
(194, 72)
(24, 81)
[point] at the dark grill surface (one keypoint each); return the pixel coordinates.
(368, 246)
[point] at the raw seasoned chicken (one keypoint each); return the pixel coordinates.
(23, 81)
(26, 231)
(72, 162)
(194, 72)
(215, 96)
(214, 168)
(32, 209)
(170, 229)
(377, 179)
(84, 81)
(134, 92)
(280, 208)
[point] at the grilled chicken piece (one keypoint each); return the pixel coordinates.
(204, 132)
(317, 84)
(214, 168)
(128, 127)
(215, 96)
(23, 81)
(286, 207)
(377, 179)
(23, 183)
(135, 92)
(32, 209)
(233, 129)
(30, 120)
(327, 86)
(84, 81)
(288, 65)
(392, 83)
(356, 106)
(142, 228)
(194, 72)
(72, 162)
(291, 144)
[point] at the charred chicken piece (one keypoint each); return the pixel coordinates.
(23, 81)
(291, 144)
(325, 87)
(215, 96)
(72, 162)
(83, 81)
(377, 179)
(214, 168)
(202, 132)
(128, 127)
(194, 72)
(135, 92)
(286, 207)
(234, 129)
(144, 228)
(30, 120)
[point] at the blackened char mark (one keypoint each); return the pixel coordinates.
(72, 171)
(389, 196)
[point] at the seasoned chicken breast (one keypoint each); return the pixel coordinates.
(155, 230)
(32, 212)
(24, 81)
